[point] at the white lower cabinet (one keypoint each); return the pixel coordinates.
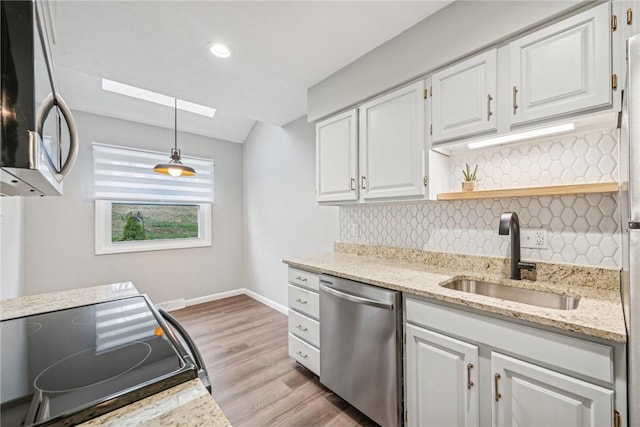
(464, 368)
(305, 354)
(304, 328)
(442, 382)
(528, 395)
(304, 301)
(304, 315)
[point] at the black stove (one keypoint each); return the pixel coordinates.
(65, 367)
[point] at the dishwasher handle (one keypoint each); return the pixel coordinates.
(356, 299)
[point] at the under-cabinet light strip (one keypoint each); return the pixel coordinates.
(520, 136)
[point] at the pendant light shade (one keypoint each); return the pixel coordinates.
(175, 166)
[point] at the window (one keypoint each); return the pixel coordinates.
(153, 222)
(139, 210)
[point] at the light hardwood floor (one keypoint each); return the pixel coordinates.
(255, 382)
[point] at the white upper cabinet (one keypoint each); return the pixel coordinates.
(562, 69)
(436, 165)
(529, 395)
(392, 136)
(337, 158)
(463, 98)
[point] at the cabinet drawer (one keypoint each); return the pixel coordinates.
(304, 327)
(304, 301)
(305, 354)
(303, 278)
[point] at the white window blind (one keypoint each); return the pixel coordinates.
(122, 173)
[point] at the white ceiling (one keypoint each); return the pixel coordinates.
(279, 50)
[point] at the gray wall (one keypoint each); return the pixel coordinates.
(59, 231)
(11, 247)
(282, 219)
(452, 33)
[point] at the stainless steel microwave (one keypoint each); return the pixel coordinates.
(36, 153)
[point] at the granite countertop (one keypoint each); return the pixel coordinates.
(599, 313)
(187, 404)
(34, 304)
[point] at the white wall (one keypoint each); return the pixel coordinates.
(451, 33)
(282, 219)
(59, 242)
(11, 247)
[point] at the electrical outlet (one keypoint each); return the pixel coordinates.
(534, 238)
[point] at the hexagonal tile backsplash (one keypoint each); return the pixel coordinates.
(588, 158)
(582, 230)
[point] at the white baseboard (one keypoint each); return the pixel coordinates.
(182, 303)
(213, 297)
(266, 301)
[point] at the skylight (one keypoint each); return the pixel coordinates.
(156, 98)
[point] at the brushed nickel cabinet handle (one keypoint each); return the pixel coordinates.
(302, 279)
(301, 354)
(353, 184)
(489, 112)
(301, 301)
(469, 382)
(364, 180)
(515, 101)
(303, 329)
(496, 378)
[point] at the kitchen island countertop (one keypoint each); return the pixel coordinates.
(187, 404)
(599, 313)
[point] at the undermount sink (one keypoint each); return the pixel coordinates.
(525, 296)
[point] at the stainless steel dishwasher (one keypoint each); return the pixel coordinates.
(360, 347)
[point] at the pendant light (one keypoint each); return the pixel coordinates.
(175, 166)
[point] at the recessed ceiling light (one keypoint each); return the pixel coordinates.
(220, 50)
(156, 98)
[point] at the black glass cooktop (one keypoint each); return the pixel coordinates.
(67, 366)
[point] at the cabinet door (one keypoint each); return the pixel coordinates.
(436, 165)
(442, 380)
(392, 144)
(337, 158)
(528, 395)
(464, 98)
(563, 68)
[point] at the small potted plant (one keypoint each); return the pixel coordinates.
(469, 183)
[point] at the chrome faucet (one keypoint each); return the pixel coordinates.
(510, 224)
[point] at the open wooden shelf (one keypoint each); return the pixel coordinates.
(554, 190)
